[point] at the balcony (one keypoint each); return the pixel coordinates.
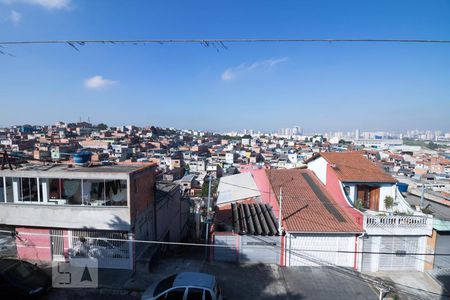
(397, 224)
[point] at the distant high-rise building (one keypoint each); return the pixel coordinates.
(357, 134)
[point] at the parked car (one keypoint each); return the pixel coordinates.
(20, 278)
(185, 286)
(103, 248)
(98, 248)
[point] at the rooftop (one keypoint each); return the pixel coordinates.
(32, 169)
(306, 205)
(354, 167)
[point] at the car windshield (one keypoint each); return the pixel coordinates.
(19, 271)
(164, 285)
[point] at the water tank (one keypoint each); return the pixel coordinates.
(402, 187)
(81, 158)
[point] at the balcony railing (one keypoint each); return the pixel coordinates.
(398, 224)
(396, 220)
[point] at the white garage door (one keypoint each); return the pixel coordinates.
(316, 250)
(401, 246)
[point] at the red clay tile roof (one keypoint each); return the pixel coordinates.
(307, 206)
(354, 167)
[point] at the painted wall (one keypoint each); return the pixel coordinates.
(263, 184)
(334, 187)
(31, 246)
(319, 167)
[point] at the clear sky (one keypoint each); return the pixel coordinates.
(327, 86)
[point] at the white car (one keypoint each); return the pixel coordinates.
(185, 286)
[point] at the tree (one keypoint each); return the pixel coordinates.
(388, 202)
(102, 126)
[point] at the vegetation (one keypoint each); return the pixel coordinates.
(102, 126)
(388, 202)
(427, 211)
(205, 188)
(359, 205)
(424, 144)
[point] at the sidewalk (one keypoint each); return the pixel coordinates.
(412, 284)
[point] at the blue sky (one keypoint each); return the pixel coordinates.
(320, 87)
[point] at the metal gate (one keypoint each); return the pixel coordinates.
(247, 249)
(228, 248)
(57, 244)
(442, 247)
(260, 249)
(395, 253)
(315, 250)
(112, 250)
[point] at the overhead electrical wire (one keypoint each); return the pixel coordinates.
(295, 252)
(210, 41)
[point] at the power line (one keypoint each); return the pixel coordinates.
(225, 40)
(211, 245)
(294, 252)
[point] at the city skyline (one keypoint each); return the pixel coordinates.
(288, 131)
(327, 85)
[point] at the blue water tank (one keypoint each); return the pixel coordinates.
(402, 187)
(80, 158)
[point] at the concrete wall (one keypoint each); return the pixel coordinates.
(171, 216)
(66, 216)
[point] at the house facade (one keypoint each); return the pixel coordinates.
(394, 231)
(56, 209)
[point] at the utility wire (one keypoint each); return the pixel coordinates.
(208, 245)
(220, 41)
(294, 252)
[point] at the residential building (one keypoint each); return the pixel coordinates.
(393, 228)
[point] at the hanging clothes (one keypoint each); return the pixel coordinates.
(71, 187)
(87, 187)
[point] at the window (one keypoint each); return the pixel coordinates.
(54, 187)
(9, 190)
(22, 189)
(2, 190)
(71, 191)
(101, 192)
(165, 284)
(208, 295)
(176, 294)
(195, 294)
(116, 192)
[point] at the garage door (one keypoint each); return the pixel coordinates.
(395, 251)
(260, 249)
(442, 247)
(315, 250)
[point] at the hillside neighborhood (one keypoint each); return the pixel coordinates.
(136, 198)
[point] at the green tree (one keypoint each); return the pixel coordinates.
(102, 126)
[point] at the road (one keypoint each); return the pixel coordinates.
(258, 281)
